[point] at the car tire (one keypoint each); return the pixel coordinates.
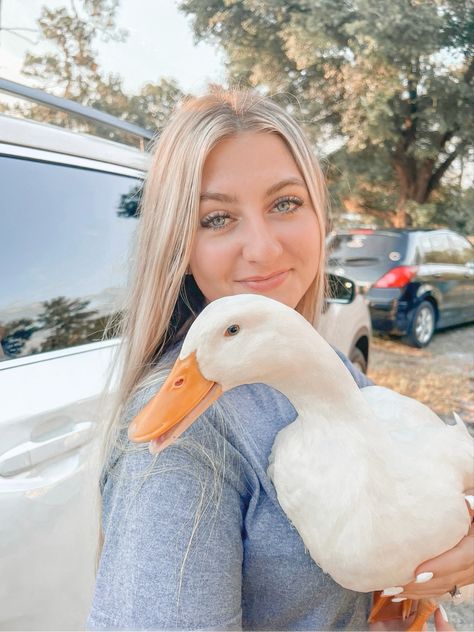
(422, 326)
(358, 359)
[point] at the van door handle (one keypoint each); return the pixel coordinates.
(31, 453)
(437, 275)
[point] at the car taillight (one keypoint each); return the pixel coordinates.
(397, 277)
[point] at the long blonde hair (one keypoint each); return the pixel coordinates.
(162, 300)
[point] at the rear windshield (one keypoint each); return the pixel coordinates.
(360, 248)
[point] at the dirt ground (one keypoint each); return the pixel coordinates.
(441, 376)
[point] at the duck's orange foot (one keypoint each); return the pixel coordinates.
(425, 609)
(383, 608)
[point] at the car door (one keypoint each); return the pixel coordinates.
(441, 276)
(66, 225)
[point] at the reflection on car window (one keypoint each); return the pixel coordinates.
(65, 233)
(437, 249)
(347, 248)
(463, 251)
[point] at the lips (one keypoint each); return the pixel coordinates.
(267, 282)
(262, 278)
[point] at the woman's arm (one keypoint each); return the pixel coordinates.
(172, 554)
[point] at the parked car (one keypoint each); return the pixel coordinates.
(68, 217)
(416, 281)
(345, 322)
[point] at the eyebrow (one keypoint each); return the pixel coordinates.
(222, 197)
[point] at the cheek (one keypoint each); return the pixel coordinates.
(211, 264)
(303, 238)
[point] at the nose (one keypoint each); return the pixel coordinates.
(261, 243)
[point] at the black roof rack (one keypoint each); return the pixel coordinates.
(71, 107)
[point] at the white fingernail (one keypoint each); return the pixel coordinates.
(397, 599)
(470, 501)
(443, 613)
(393, 590)
(423, 577)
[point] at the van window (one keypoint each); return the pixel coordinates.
(65, 235)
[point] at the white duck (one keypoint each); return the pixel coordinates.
(373, 481)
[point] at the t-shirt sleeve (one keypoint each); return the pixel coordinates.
(360, 378)
(172, 553)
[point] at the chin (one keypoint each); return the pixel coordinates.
(282, 297)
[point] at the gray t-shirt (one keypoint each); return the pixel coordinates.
(195, 538)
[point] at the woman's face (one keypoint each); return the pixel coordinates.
(258, 232)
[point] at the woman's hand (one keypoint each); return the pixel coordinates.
(439, 575)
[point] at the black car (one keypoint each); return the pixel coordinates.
(416, 281)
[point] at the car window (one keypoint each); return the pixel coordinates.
(463, 251)
(65, 234)
(346, 248)
(437, 249)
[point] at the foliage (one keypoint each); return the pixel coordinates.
(455, 208)
(66, 321)
(393, 82)
(69, 67)
(14, 335)
(129, 205)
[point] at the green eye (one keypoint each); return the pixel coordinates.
(284, 206)
(232, 330)
(287, 205)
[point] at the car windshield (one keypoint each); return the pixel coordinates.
(365, 248)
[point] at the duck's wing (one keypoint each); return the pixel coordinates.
(403, 417)
(421, 433)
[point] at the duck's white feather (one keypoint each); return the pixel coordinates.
(367, 517)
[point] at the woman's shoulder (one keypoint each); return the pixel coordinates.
(242, 425)
(206, 448)
(360, 378)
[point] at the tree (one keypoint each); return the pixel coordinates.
(69, 67)
(391, 82)
(67, 323)
(129, 205)
(14, 335)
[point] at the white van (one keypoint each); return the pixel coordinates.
(67, 216)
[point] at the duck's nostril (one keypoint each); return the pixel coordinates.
(179, 382)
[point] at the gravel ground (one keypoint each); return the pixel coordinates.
(441, 376)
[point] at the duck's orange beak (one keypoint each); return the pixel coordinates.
(183, 397)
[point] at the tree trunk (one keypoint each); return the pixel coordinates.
(401, 219)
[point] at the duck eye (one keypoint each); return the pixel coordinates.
(232, 330)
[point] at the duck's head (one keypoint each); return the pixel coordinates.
(235, 340)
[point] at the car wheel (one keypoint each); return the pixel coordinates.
(358, 360)
(422, 326)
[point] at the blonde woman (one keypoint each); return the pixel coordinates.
(194, 537)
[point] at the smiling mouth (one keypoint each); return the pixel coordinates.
(262, 278)
(265, 283)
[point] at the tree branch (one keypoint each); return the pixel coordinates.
(469, 74)
(441, 170)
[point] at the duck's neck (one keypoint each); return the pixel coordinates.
(319, 385)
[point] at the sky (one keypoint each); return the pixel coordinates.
(160, 44)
